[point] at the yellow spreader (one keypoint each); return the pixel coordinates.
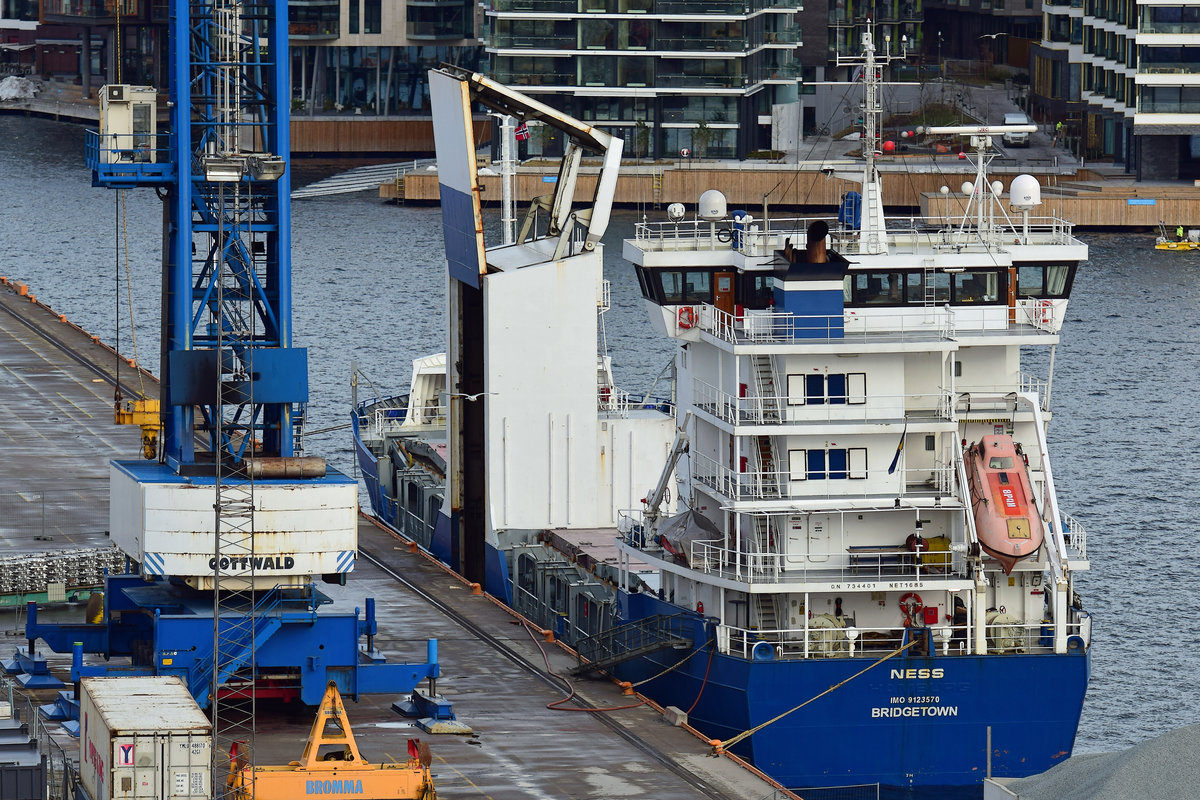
(336, 773)
(144, 414)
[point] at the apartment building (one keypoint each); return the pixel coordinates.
(669, 76)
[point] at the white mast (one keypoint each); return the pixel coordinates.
(872, 233)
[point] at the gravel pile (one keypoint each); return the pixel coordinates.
(1164, 768)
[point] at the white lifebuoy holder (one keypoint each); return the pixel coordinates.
(686, 317)
(911, 604)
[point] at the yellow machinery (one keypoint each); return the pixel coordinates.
(143, 413)
(341, 772)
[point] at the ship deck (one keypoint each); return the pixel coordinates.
(58, 438)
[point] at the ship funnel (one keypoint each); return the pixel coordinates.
(712, 206)
(1025, 193)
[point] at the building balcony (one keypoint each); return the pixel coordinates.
(674, 81)
(688, 44)
(512, 78)
(509, 41)
(786, 36)
(1169, 68)
(536, 6)
(89, 11)
(1168, 107)
(1150, 26)
(710, 7)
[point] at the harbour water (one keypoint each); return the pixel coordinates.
(369, 287)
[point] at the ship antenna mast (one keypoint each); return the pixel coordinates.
(869, 66)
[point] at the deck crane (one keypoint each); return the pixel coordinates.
(228, 537)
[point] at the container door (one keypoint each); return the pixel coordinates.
(723, 295)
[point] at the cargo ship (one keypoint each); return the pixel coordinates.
(783, 545)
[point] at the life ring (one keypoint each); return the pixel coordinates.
(912, 605)
(686, 317)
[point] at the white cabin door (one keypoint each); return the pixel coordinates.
(808, 539)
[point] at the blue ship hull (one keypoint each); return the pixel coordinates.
(908, 722)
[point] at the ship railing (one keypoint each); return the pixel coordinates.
(1075, 534)
(621, 403)
(905, 235)
(807, 480)
(850, 566)
(828, 637)
(385, 420)
(763, 410)
(919, 323)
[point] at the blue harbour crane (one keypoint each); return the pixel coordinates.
(228, 529)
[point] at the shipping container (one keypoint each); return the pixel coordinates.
(143, 738)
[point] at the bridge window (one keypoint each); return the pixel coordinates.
(979, 287)
(683, 287)
(1044, 280)
(756, 290)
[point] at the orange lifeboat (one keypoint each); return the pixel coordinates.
(1006, 518)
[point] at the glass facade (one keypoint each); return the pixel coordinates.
(665, 75)
(369, 80)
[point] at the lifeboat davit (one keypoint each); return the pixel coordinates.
(1006, 518)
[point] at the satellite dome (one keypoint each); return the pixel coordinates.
(712, 206)
(675, 212)
(1025, 192)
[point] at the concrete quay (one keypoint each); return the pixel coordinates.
(501, 677)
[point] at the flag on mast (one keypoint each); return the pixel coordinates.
(899, 448)
(522, 132)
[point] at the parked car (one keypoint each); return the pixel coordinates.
(1016, 139)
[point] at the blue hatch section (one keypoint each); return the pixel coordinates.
(458, 231)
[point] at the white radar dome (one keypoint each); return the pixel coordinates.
(712, 206)
(1025, 192)
(675, 212)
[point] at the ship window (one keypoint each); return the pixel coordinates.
(835, 388)
(977, 287)
(878, 288)
(1056, 280)
(1051, 280)
(1000, 462)
(684, 286)
(756, 290)
(837, 463)
(642, 284)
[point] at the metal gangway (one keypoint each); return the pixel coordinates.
(360, 179)
(608, 648)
